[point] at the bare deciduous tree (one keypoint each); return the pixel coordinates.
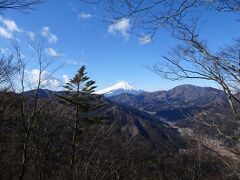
(193, 59)
(151, 16)
(230, 156)
(7, 70)
(18, 4)
(29, 111)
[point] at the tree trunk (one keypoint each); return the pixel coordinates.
(74, 144)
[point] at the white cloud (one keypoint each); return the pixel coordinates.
(145, 39)
(83, 15)
(47, 80)
(10, 25)
(66, 79)
(31, 35)
(72, 62)
(48, 34)
(3, 50)
(5, 33)
(121, 26)
(52, 52)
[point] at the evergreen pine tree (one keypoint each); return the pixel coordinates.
(79, 96)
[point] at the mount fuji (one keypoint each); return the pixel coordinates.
(119, 88)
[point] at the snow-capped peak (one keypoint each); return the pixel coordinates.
(121, 87)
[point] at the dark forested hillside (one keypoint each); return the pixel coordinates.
(132, 143)
(123, 131)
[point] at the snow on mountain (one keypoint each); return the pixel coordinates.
(119, 88)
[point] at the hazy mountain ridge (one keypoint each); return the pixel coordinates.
(42, 93)
(171, 105)
(181, 100)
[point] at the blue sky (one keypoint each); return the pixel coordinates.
(77, 35)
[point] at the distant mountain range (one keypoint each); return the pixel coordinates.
(135, 113)
(172, 105)
(43, 93)
(175, 103)
(119, 88)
